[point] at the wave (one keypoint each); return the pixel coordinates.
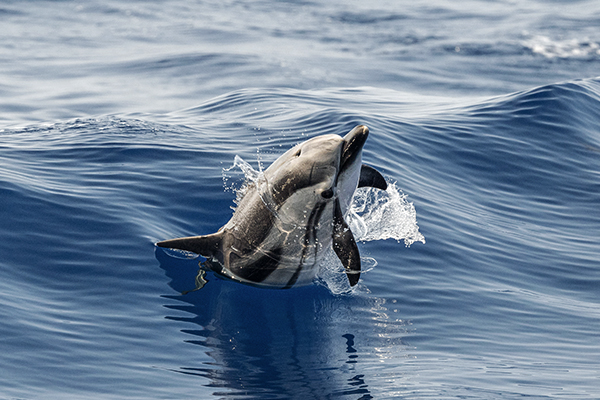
(505, 189)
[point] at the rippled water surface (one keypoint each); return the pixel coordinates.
(121, 124)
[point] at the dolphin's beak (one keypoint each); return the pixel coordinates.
(353, 144)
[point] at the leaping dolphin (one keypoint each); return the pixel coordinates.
(287, 219)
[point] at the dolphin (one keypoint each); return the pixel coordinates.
(289, 217)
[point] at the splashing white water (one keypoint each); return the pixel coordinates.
(571, 48)
(373, 215)
(237, 178)
(379, 215)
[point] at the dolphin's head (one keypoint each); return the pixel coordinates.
(318, 170)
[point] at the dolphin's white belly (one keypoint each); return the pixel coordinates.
(347, 183)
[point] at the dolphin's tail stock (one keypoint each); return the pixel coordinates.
(207, 245)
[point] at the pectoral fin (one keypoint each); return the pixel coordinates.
(370, 177)
(345, 246)
(207, 245)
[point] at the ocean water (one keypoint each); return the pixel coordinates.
(125, 124)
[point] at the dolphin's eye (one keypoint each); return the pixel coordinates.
(327, 194)
(298, 153)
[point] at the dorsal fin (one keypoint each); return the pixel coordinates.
(370, 177)
(207, 245)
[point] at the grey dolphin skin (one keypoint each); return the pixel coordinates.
(289, 218)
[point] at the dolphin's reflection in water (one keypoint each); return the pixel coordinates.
(299, 343)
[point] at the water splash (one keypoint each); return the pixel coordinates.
(333, 276)
(572, 48)
(238, 177)
(379, 215)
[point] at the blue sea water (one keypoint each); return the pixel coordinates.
(119, 127)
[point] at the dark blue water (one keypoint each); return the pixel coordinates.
(120, 126)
